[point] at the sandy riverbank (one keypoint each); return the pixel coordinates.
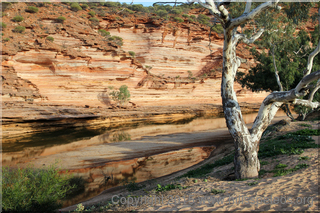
(302, 183)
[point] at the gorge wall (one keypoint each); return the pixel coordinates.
(80, 64)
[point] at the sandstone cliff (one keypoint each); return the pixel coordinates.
(79, 65)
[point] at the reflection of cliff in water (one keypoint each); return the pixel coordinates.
(24, 149)
(117, 173)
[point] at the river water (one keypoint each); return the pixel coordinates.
(106, 157)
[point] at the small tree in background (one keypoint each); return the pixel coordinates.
(32, 9)
(61, 19)
(17, 19)
(75, 7)
(122, 96)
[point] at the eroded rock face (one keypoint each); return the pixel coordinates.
(79, 65)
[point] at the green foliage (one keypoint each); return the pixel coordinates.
(185, 16)
(207, 168)
(304, 158)
(286, 144)
(193, 17)
(94, 21)
(132, 185)
(112, 4)
(217, 28)
(169, 187)
(75, 7)
(17, 19)
(217, 191)
(306, 132)
(162, 13)
(61, 19)
(122, 96)
(19, 29)
(176, 11)
(118, 40)
(104, 32)
(264, 163)
(33, 189)
(6, 39)
(203, 19)
(132, 53)
(84, 6)
(282, 172)
(253, 183)
(137, 7)
(49, 38)
(243, 179)
(178, 19)
(3, 25)
(280, 165)
(92, 13)
(289, 48)
(32, 9)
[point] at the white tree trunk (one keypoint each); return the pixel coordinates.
(247, 142)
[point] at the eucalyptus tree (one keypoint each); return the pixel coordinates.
(284, 52)
(247, 141)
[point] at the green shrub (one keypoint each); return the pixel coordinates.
(94, 21)
(112, 4)
(137, 7)
(17, 19)
(92, 13)
(6, 39)
(280, 165)
(217, 191)
(185, 16)
(176, 11)
(132, 53)
(84, 6)
(3, 25)
(32, 9)
(169, 187)
(19, 29)
(61, 19)
(193, 17)
(177, 19)
(104, 32)
(33, 190)
(118, 40)
(121, 96)
(128, 11)
(49, 38)
(162, 13)
(203, 19)
(217, 28)
(75, 7)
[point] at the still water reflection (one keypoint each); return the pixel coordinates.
(97, 154)
(135, 170)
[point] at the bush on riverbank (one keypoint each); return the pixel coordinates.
(30, 189)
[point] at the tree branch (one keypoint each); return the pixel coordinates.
(306, 103)
(244, 18)
(276, 71)
(248, 7)
(315, 89)
(307, 80)
(310, 59)
(243, 37)
(211, 6)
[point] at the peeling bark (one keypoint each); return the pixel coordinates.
(247, 142)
